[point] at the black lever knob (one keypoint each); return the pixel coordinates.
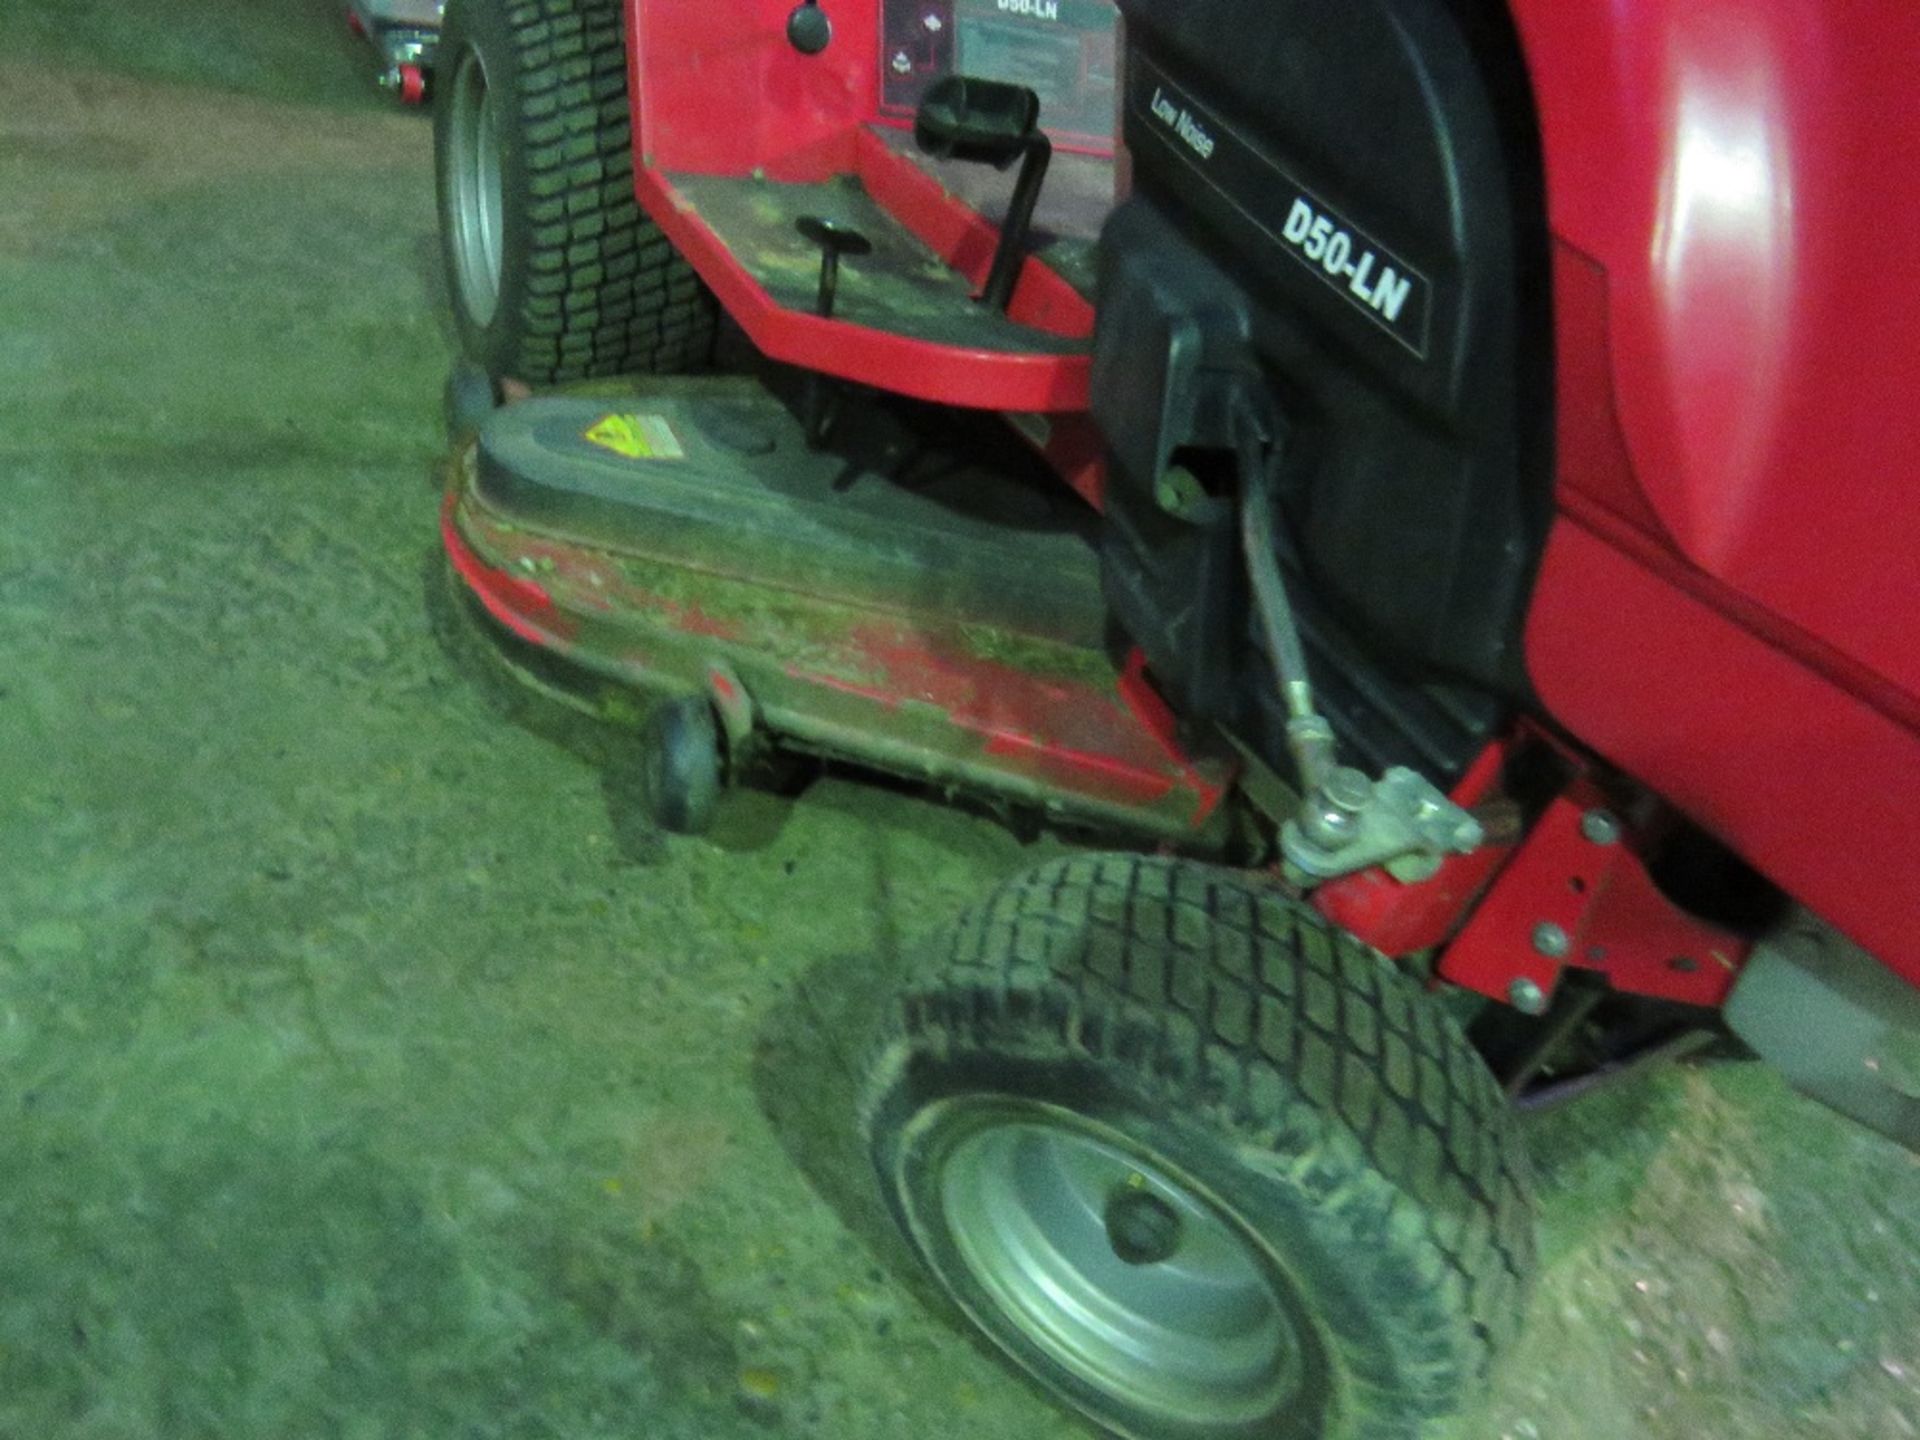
(834, 240)
(832, 235)
(808, 29)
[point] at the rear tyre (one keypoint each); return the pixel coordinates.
(554, 272)
(1204, 1167)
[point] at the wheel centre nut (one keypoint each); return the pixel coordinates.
(1142, 1228)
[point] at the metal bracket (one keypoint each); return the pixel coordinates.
(1402, 822)
(1577, 893)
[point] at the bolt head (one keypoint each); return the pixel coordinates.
(1600, 827)
(1348, 789)
(1329, 829)
(1179, 492)
(1527, 996)
(1551, 940)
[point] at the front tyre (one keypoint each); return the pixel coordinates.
(553, 270)
(1204, 1167)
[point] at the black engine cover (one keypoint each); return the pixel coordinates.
(1337, 202)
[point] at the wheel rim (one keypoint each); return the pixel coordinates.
(475, 219)
(1114, 1264)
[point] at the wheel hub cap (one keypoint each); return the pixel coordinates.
(1142, 1228)
(475, 222)
(1118, 1268)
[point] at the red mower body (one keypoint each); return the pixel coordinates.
(1445, 460)
(1705, 606)
(1726, 610)
(1729, 609)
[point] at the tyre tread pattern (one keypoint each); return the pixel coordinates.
(606, 292)
(1231, 1000)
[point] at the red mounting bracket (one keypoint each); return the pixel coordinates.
(1577, 894)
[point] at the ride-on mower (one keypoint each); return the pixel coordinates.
(1427, 490)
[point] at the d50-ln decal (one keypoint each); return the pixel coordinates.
(1368, 276)
(1379, 287)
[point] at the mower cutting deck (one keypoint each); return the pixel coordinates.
(919, 596)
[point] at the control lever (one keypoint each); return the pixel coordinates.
(1346, 822)
(991, 123)
(833, 240)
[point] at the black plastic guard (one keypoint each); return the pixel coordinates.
(1343, 195)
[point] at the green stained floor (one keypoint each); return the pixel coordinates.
(364, 1072)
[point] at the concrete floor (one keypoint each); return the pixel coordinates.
(363, 1070)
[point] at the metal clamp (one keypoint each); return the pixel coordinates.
(1402, 821)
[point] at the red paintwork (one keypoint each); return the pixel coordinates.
(790, 117)
(1076, 449)
(902, 695)
(1401, 919)
(517, 603)
(1147, 703)
(1728, 608)
(1808, 782)
(1120, 745)
(1620, 925)
(1068, 768)
(993, 717)
(719, 91)
(1157, 721)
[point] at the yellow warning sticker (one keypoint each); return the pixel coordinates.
(638, 437)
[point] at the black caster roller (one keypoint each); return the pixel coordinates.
(683, 765)
(470, 396)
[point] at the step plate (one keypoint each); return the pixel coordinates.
(901, 287)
